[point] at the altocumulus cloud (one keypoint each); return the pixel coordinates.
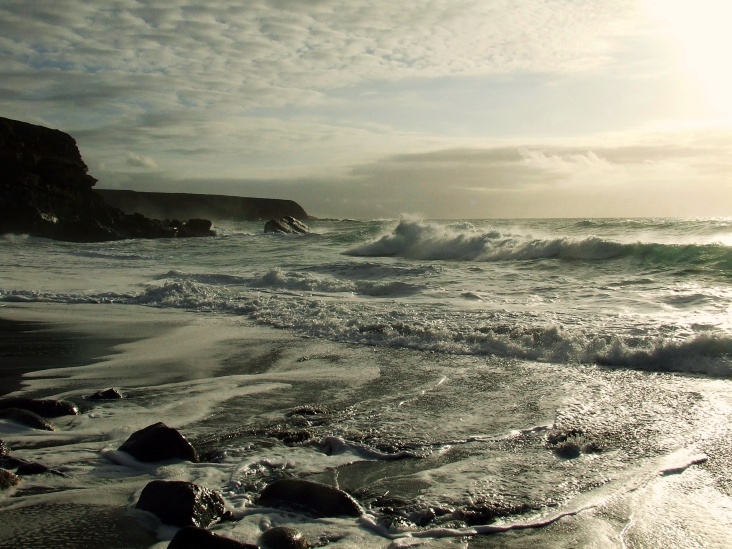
(286, 98)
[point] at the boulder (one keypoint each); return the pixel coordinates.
(195, 227)
(158, 442)
(318, 499)
(284, 537)
(286, 225)
(26, 417)
(45, 191)
(106, 394)
(180, 503)
(192, 537)
(8, 479)
(42, 407)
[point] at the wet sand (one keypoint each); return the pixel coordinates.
(31, 346)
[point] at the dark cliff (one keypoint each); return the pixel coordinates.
(210, 206)
(45, 191)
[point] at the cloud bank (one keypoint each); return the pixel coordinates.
(448, 108)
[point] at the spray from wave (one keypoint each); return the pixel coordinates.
(422, 240)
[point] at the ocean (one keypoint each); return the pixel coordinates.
(473, 383)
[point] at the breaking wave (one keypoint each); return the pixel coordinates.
(431, 241)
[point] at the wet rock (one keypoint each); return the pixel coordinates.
(192, 537)
(181, 503)
(158, 442)
(8, 479)
(27, 418)
(43, 407)
(319, 499)
(105, 394)
(195, 227)
(283, 537)
(286, 225)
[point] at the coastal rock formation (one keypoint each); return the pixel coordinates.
(42, 407)
(45, 191)
(319, 499)
(286, 225)
(210, 206)
(180, 503)
(158, 442)
(192, 537)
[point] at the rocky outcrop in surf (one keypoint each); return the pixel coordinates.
(46, 191)
(286, 225)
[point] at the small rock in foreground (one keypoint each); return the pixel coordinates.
(283, 537)
(27, 418)
(320, 499)
(180, 503)
(158, 442)
(43, 407)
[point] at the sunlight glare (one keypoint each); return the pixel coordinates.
(701, 30)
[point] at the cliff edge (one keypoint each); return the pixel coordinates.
(46, 191)
(211, 206)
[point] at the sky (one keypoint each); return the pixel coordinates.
(374, 109)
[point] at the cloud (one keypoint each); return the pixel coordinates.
(139, 161)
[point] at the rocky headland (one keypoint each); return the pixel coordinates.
(211, 206)
(46, 191)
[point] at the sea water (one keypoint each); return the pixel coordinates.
(474, 383)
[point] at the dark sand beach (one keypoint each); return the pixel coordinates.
(31, 346)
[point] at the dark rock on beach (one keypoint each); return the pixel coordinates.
(27, 418)
(33, 468)
(45, 191)
(192, 537)
(42, 407)
(180, 503)
(283, 537)
(286, 225)
(8, 479)
(106, 394)
(318, 499)
(158, 442)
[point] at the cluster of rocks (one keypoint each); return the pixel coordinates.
(33, 413)
(46, 191)
(186, 505)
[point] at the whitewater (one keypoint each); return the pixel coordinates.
(472, 383)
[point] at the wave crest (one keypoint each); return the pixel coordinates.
(431, 241)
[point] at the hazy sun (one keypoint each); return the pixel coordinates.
(701, 28)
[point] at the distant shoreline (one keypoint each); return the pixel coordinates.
(160, 205)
